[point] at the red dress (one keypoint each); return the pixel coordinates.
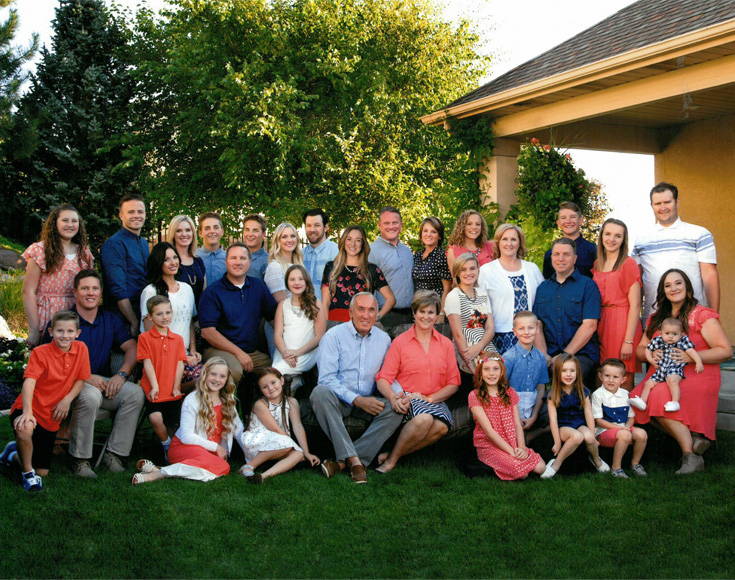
(501, 418)
(484, 254)
(197, 456)
(699, 392)
(614, 287)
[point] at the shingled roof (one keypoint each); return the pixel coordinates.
(643, 23)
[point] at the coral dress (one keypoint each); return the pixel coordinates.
(699, 392)
(501, 418)
(484, 254)
(55, 291)
(197, 456)
(614, 287)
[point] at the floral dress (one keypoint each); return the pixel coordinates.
(349, 283)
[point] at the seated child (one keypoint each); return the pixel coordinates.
(614, 419)
(667, 370)
(527, 372)
(163, 355)
(54, 377)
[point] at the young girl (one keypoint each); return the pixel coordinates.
(570, 416)
(498, 434)
(299, 325)
(209, 424)
(268, 423)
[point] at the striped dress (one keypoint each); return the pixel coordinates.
(473, 314)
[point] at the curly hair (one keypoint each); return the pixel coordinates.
(308, 299)
(457, 237)
(274, 255)
(503, 384)
(53, 249)
(206, 418)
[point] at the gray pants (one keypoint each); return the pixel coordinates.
(126, 406)
(330, 411)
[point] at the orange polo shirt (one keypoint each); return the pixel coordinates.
(55, 372)
(416, 370)
(164, 351)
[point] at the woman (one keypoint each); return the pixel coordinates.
(163, 265)
(418, 375)
(510, 283)
(181, 234)
(285, 250)
(351, 273)
(693, 425)
(430, 269)
(51, 265)
(470, 235)
(469, 313)
(619, 280)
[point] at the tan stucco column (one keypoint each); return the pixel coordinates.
(498, 175)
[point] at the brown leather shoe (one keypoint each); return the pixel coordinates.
(331, 468)
(358, 473)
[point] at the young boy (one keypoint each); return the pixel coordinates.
(163, 355)
(527, 371)
(667, 370)
(569, 222)
(55, 375)
(211, 232)
(253, 234)
(614, 419)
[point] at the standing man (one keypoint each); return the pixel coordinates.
(350, 355)
(672, 243)
(320, 250)
(230, 311)
(253, 234)
(395, 259)
(569, 221)
(124, 256)
(568, 307)
(211, 252)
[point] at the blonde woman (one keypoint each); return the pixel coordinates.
(181, 234)
(470, 235)
(285, 251)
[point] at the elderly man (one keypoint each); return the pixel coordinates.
(568, 307)
(230, 311)
(101, 330)
(350, 355)
(672, 243)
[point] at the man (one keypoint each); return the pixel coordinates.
(320, 250)
(124, 256)
(672, 243)
(230, 311)
(350, 355)
(211, 252)
(253, 234)
(395, 259)
(568, 307)
(103, 330)
(569, 221)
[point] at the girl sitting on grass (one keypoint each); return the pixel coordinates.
(209, 423)
(498, 435)
(268, 424)
(570, 416)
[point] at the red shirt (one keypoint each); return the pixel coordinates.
(416, 370)
(164, 351)
(55, 372)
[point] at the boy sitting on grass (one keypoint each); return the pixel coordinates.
(55, 375)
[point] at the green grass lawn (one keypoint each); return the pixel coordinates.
(425, 519)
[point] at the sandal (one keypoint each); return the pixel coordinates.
(247, 470)
(138, 478)
(146, 466)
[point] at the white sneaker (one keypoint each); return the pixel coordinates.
(549, 472)
(672, 406)
(602, 468)
(638, 403)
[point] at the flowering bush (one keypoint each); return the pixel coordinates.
(13, 359)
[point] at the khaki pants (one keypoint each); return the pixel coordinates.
(260, 360)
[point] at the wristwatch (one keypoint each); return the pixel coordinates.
(123, 374)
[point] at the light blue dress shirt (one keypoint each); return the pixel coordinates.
(258, 264)
(314, 261)
(396, 262)
(214, 263)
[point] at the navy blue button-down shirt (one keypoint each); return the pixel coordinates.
(563, 307)
(586, 256)
(124, 256)
(236, 312)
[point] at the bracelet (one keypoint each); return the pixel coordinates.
(628, 341)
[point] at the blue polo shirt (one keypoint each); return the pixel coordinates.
(563, 307)
(124, 256)
(396, 262)
(236, 312)
(258, 263)
(526, 368)
(586, 256)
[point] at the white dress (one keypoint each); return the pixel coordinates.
(258, 438)
(298, 329)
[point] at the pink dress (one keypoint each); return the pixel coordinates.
(614, 287)
(197, 456)
(699, 392)
(484, 255)
(55, 291)
(501, 418)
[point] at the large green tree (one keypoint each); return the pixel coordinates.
(277, 105)
(71, 121)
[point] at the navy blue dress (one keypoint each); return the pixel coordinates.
(194, 276)
(570, 411)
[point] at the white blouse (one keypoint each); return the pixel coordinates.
(496, 281)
